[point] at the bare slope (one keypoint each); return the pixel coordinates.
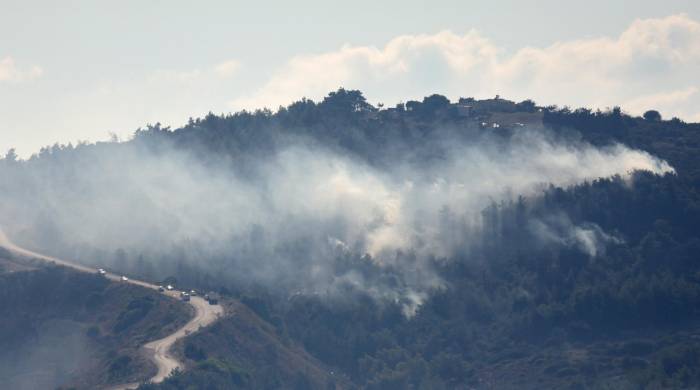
(158, 350)
(63, 328)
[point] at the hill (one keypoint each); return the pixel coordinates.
(435, 244)
(61, 328)
(244, 351)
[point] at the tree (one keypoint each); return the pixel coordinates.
(435, 102)
(11, 155)
(527, 105)
(652, 115)
(346, 102)
(616, 112)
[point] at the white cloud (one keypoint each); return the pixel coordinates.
(227, 68)
(672, 103)
(405, 62)
(650, 58)
(177, 76)
(11, 72)
(223, 70)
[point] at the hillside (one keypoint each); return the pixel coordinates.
(244, 351)
(435, 244)
(61, 328)
(517, 315)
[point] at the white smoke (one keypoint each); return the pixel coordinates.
(588, 237)
(302, 206)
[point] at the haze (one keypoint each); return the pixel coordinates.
(281, 217)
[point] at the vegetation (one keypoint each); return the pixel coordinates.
(513, 313)
(243, 351)
(61, 327)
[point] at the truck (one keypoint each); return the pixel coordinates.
(212, 298)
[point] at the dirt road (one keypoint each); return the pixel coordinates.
(158, 350)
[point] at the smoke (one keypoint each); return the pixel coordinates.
(306, 217)
(558, 229)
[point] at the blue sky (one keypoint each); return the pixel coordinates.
(80, 70)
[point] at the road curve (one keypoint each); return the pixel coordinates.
(158, 350)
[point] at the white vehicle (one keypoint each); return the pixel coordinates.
(169, 287)
(101, 272)
(193, 293)
(124, 279)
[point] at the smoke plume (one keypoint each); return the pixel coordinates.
(286, 219)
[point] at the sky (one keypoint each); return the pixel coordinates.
(86, 70)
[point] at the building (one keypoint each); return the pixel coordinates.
(464, 110)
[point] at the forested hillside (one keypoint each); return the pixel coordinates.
(479, 243)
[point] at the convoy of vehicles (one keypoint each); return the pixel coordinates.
(212, 298)
(103, 273)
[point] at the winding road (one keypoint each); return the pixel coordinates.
(158, 350)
